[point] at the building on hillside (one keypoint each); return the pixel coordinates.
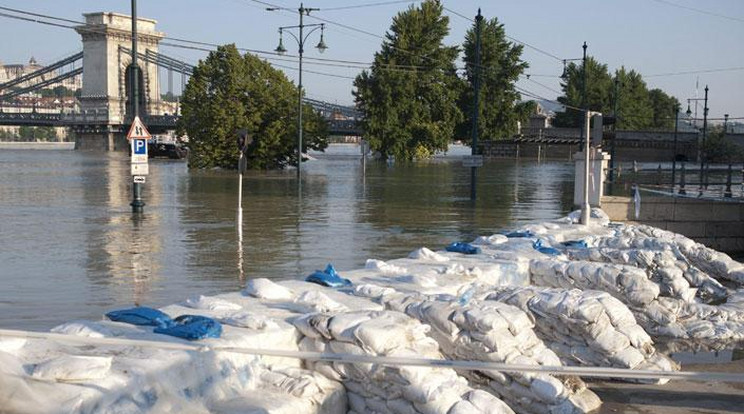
(14, 71)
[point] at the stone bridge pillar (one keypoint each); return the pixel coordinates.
(103, 103)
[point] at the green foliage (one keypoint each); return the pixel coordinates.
(719, 149)
(29, 133)
(411, 114)
(634, 105)
(228, 92)
(664, 109)
(169, 97)
(598, 87)
(57, 92)
(500, 69)
(637, 107)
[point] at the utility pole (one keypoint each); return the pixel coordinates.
(614, 130)
(476, 84)
(137, 203)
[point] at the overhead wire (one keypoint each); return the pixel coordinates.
(681, 6)
(359, 6)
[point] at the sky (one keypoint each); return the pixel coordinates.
(663, 40)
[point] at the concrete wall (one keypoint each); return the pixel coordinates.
(716, 224)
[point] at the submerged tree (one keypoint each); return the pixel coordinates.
(500, 68)
(228, 92)
(409, 96)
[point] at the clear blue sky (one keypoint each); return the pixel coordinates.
(653, 37)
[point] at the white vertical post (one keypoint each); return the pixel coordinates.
(585, 209)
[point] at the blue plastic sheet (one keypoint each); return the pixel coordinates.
(141, 316)
(192, 327)
(328, 277)
(575, 244)
(515, 234)
(538, 245)
(465, 248)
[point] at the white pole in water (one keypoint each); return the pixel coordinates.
(241, 162)
(585, 209)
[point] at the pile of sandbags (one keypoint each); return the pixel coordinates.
(659, 315)
(716, 264)
(389, 389)
(589, 327)
(494, 332)
(674, 274)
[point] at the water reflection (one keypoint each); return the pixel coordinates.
(73, 250)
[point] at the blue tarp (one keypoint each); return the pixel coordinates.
(575, 244)
(538, 245)
(465, 248)
(328, 277)
(515, 234)
(141, 316)
(192, 327)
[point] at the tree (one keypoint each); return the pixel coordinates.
(409, 96)
(228, 92)
(598, 86)
(634, 105)
(664, 109)
(500, 68)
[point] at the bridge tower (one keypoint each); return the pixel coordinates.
(107, 40)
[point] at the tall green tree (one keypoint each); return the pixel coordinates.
(598, 86)
(664, 109)
(500, 69)
(228, 92)
(409, 96)
(634, 105)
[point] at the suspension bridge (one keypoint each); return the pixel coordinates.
(99, 117)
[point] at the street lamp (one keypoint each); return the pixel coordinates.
(701, 150)
(301, 39)
(583, 69)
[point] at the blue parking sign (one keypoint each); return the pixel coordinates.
(139, 146)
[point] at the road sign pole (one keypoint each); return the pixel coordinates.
(137, 204)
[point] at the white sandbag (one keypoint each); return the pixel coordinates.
(610, 341)
(385, 268)
(342, 325)
(313, 325)
(69, 368)
(369, 290)
(11, 344)
(426, 254)
(266, 289)
(250, 320)
(211, 303)
(548, 389)
(316, 301)
(629, 357)
(492, 240)
(83, 328)
(486, 403)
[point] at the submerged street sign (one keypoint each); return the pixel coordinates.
(141, 168)
(139, 179)
(138, 130)
(139, 151)
(472, 161)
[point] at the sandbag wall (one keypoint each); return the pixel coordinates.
(386, 389)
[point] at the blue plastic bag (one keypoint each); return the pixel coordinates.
(551, 251)
(328, 277)
(464, 248)
(515, 234)
(575, 244)
(141, 316)
(192, 327)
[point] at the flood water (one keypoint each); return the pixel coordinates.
(70, 247)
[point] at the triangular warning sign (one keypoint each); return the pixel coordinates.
(138, 130)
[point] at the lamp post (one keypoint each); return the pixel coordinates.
(585, 208)
(674, 156)
(321, 46)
